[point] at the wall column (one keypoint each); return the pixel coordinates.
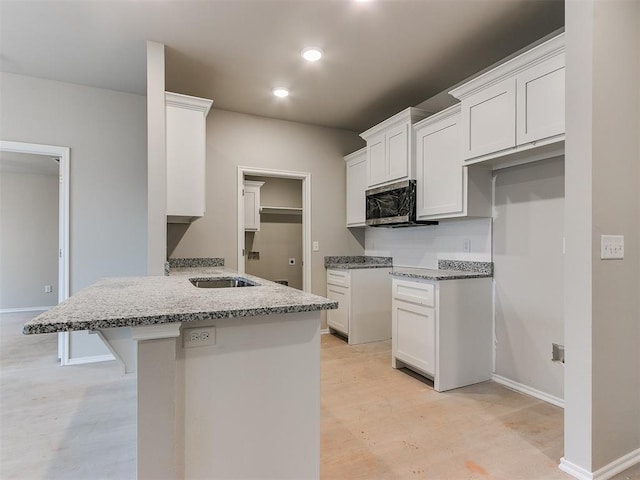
(602, 308)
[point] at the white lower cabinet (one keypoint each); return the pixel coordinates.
(339, 319)
(443, 329)
(414, 336)
(364, 303)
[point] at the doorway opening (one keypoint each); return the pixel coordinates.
(288, 218)
(22, 157)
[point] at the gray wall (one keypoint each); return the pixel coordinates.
(280, 236)
(106, 131)
(28, 239)
(237, 139)
(528, 260)
(602, 307)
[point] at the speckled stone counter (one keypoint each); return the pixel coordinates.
(196, 262)
(447, 270)
(357, 261)
(137, 301)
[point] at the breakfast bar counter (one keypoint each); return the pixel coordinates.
(228, 379)
(153, 300)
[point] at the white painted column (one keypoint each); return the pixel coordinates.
(156, 408)
(156, 161)
(602, 371)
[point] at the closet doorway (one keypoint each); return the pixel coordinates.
(274, 226)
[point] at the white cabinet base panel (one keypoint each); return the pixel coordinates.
(448, 330)
(364, 303)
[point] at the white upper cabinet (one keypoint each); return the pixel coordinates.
(445, 187)
(389, 148)
(356, 164)
(252, 205)
(516, 106)
(439, 164)
(540, 101)
(186, 156)
(489, 118)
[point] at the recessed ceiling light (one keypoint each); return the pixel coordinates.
(280, 92)
(311, 54)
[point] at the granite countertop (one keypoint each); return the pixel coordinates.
(138, 301)
(447, 270)
(357, 261)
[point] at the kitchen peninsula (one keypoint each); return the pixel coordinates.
(228, 378)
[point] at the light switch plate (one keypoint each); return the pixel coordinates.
(316, 246)
(611, 247)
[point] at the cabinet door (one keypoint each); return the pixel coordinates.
(185, 142)
(489, 120)
(540, 101)
(356, 186)
(439, 168)
(339, 319)
(397, 139)
(251, 208)
(413, 335)
(376, 160)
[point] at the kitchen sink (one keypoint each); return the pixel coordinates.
(222, 282)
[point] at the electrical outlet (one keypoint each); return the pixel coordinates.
(48, 289)
(198, 337)
(611, 247)
(316, 246)
(557, 353)
(292, 261)
(466, 245)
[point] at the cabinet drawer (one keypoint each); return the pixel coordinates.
(338, 277)
(414, 292)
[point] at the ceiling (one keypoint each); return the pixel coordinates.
(380, 57)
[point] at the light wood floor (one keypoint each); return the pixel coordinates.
(377, 423)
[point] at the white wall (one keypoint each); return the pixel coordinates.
(106, 132)
(238, 139)
(424, 246)
(28, 239)
(528, 261)
(602, 307)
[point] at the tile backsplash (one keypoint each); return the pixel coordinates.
(424, 246)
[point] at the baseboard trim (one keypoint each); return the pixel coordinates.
(574, 470)
(92, 359)
(604, 473)
(519, 387)
(324, 331)
(26, 309)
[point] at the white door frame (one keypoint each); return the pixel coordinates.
(306, 216)
(63, 155)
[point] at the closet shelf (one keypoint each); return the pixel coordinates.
(281, 210)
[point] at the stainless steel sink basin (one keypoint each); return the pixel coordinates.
(222, 282)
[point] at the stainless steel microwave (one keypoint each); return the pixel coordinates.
(393, 205)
